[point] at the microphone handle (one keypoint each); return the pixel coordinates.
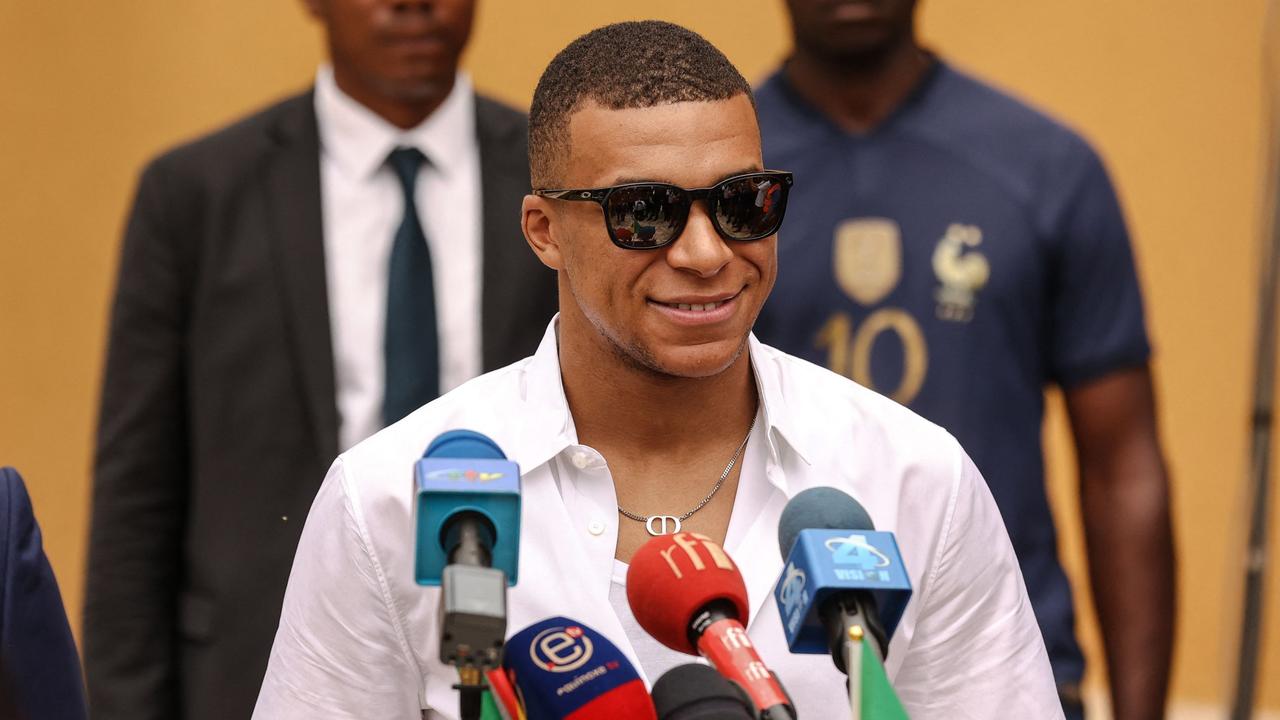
(472, 542)
(842, 612)
(723, 641)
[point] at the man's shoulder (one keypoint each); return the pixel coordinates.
(241, 141)
(970, 111)
(499, 110)
(835, 412)
(490, 404)
(496, 121)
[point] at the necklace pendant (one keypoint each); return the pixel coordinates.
(667, 521)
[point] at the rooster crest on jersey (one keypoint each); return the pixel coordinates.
(962, 271)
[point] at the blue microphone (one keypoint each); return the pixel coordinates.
(467, 515)
(564, 670)
(467, 507)
(840, 573)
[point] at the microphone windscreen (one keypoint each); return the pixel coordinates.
(566, 671)
(464, 444)
(698, 692)
(673, 577)
(820, 508)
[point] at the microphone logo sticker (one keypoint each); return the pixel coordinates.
(560, 649)
(463, 475)
(686, 546)
(735, 638)
(867, 562)
(792, 595)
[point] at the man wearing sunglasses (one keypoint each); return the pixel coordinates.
(959, 252)
(648, 408)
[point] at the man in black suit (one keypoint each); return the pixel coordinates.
(276, 302)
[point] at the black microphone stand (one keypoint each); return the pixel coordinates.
(473, 614)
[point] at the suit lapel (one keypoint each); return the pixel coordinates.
(292, 180)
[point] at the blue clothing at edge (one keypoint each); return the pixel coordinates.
(959, 257)
(38, 652)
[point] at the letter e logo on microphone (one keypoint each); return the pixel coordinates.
(560, 649)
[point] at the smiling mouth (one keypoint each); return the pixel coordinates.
(698, 307)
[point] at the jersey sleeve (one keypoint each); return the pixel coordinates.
(1096, 322)
(340, 650)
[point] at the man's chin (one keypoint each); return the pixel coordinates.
(697, 361)
(420, 87)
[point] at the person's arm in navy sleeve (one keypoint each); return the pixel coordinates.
(1100, 359)
(140, 472)
(39, 661)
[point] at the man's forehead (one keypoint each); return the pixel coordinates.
(671, 142)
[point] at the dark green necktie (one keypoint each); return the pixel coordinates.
(412, 345)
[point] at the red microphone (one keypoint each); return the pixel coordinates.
(685, 591)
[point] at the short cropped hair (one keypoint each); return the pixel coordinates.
(624, 65)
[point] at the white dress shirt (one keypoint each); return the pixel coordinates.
(362, 206)
(358, 638)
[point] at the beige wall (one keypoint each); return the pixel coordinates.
(1169, 92)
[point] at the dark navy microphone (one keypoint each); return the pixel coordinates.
(840, 574)
(698, 692)
(467, 515)
(564, 670)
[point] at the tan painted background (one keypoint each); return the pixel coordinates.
(1170, 92)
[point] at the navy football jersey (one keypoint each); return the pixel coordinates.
(958, 258)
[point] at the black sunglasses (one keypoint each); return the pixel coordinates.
(644, 216)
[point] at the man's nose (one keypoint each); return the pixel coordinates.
(699, 249)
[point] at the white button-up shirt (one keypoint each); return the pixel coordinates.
(362, 205)
(358, 637)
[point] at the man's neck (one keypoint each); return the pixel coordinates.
(635, 410)
(858, 96)
(403, 113)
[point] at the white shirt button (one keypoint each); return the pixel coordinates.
(581, 460)
(595, 527)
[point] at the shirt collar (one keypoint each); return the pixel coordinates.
(548, 428)
(788, 424)
(359, 140)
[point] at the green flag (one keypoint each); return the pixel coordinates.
(489, 708)
(873, 694)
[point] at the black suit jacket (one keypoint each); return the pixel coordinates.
(218, 417)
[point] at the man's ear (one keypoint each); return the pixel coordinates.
(538, 221)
